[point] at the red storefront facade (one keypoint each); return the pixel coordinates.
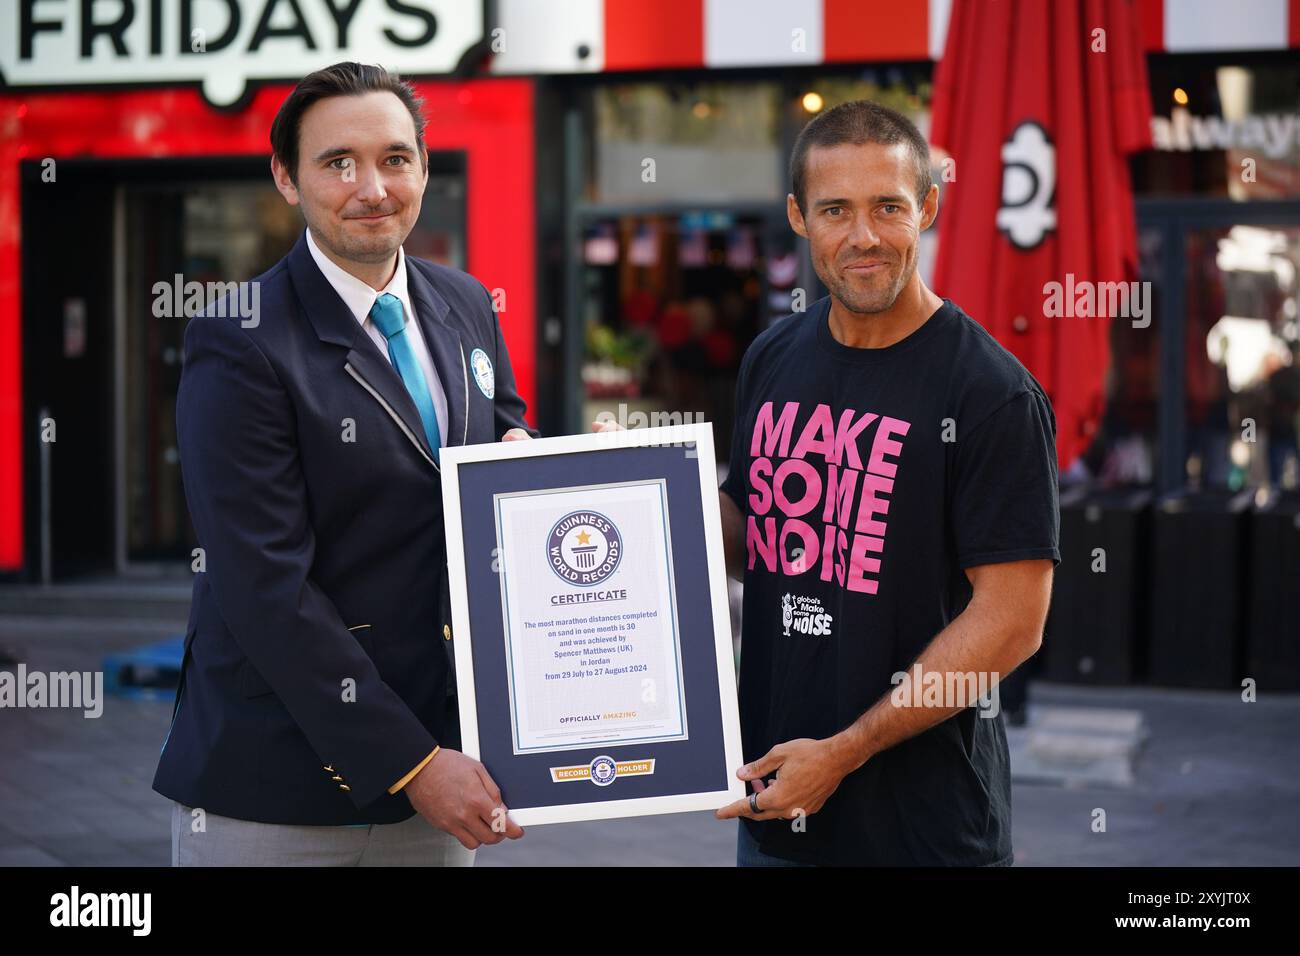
(489, 121)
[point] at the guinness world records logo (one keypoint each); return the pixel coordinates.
(584, 548)
(603, 771)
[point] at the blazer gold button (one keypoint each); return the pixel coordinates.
(337, 779)
(344, 786)
(446, 632)
(329, 769)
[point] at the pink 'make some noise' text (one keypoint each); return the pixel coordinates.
(830, 539)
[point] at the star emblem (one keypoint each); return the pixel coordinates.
(583, 537)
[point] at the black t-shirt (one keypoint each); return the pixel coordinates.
(869, 480)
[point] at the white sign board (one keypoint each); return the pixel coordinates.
(226, 44)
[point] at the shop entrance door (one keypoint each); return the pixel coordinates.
(67, 368)
(182, 229)
(103, 365)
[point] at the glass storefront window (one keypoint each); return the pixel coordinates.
(656, 143)
(899, 89)
(1222, 130)
(1125, 450)
(670, 304)
(1243, 357)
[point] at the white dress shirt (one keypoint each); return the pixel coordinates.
(360, 298)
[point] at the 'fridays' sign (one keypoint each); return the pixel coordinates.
(226, 44)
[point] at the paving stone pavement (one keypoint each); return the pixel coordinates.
(1215, 781)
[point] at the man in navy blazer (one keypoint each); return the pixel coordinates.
(315, 721)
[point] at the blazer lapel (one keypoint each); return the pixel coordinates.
(446, 348)
(378, 377)
(335, 323)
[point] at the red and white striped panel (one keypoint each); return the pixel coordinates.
(591, 36)
(1184, 26)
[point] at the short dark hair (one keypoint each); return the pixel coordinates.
(341, 79)
(858, 122)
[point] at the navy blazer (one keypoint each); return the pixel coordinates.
(316, 667)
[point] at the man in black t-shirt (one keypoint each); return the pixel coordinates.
(892, 509)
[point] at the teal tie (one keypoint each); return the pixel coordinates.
(390, 319)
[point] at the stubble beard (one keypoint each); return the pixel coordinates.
(360, 248)
(868, 301)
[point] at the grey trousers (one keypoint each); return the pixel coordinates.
(207, 839)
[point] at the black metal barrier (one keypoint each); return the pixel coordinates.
(1194, 589)
(1273, 631)
(1199, 561)
(1096, 626)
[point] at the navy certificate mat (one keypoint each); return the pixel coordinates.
(695, 765)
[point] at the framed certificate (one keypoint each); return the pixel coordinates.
(594, 665)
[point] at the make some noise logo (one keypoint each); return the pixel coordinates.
(804, 615)
(820, 492)
(584, 548)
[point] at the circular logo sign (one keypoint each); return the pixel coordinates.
(584, 548)
(484, 377)
(603, 771)
(1028, 211)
